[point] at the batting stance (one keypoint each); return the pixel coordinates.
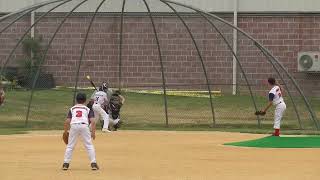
(77, 121)
(100, 101)
(276, 99)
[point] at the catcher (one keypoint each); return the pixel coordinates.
(113, 109)
(77, 121)
(276, 99)
(2, 95)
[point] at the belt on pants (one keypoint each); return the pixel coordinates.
(81, 123)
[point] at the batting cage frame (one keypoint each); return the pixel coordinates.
(208, 17)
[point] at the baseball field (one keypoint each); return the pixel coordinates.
(154, 155)
(188, 149)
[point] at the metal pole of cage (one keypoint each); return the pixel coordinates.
(200, 57)
(239, 64)
(44, 57)
(82, 50)
(120, 46)
(25, 34)
(161, 64)
(312, 114)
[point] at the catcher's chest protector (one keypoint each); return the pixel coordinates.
(116, 100)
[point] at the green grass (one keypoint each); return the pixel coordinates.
(146, 112)
(281, 142)
(12, 131)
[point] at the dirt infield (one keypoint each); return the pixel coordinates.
(161, 155)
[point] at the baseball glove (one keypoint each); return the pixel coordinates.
(261, 113)
(65, 137)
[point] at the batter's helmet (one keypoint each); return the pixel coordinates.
(103, 87)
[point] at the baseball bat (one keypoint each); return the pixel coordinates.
(88, 77)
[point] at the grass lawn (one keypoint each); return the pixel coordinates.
(146, 111)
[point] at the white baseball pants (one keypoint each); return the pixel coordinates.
(278, 114)
(83, 131)
(98, 111)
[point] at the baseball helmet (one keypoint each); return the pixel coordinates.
(103, 87)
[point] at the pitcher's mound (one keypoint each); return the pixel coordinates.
(281, 142)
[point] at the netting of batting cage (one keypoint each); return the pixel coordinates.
(176, 66)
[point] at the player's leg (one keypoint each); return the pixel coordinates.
(116, 121)
(73, 136)
(117, 124)
(106, 121)
(96, 109)
(278, 114)
(87, 142)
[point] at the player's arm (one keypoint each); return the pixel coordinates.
(93, 129)
(281, 89)
(122, 99)
(106, 100)
(66, 126)
(271, 96)
(92, 123)
(91, 101)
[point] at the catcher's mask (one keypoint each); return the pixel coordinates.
(103, 87)
(115, 109)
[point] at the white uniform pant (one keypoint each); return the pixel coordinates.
(83, 131)
(99, 112)
(278, 114)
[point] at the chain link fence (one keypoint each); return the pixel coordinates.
(145, 108)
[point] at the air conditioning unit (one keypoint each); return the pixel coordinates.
(309, 62)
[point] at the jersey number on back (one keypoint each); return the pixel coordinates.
(79, 114)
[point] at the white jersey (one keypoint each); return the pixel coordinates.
(99, 97)
(80, 114)
(277, 99)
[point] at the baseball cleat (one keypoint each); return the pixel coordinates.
(94, 166)
(105, 130)
(65, 166)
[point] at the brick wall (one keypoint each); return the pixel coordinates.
(283, 35)
(9, 38)
(140, 60)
